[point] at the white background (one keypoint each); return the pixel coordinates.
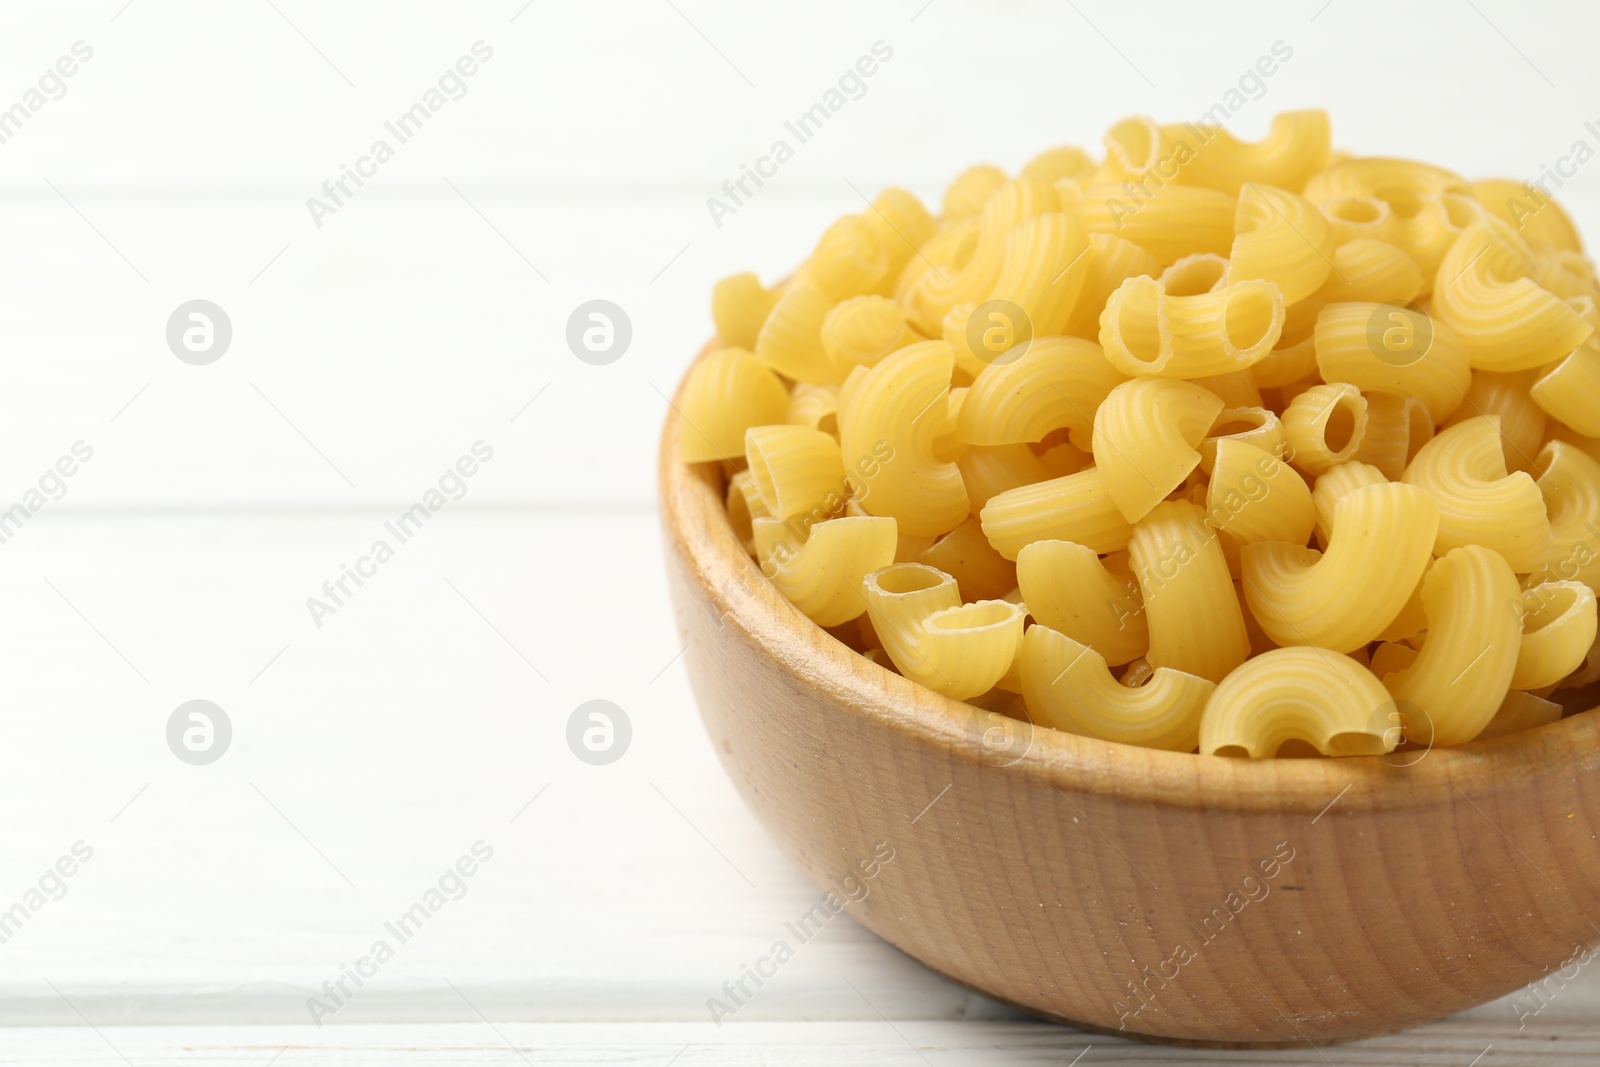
(369, 353)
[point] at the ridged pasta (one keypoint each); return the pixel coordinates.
(861, 331)
(1193, 275)
(1003, 211)
(739, 305)
(1146, 332)
(1569, 390)
(1558, 629)
(1479, 502)
(1569, 481)
(1381, 541)
(1169, 222)
(1144, 439)
(1370, 270)
(796, 469)
(1384, 348)
(970, 189)
(987, 471)
(1043, 270)
(1282, 238)
(1506, 396)
(850, 259)
(1068, 589)
(1111, 261)
(1397, 426)
(1324, 426)
(822, 576)
(1333, 485)
(1251, 424)
(724, 395)
(790, 341)
(1253, 496)
(902, 226)
(1464, 667)
(965, 554)
(1063, 161)
(1195, 622)
(1314, 696)
(1077, 507)
(1295, 148)
(960, 650)
(816, 406)
(1537, 217)
(1059, 382)
(1067, 685)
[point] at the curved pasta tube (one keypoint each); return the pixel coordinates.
(960, 650)
(1382, 540)
(1145, 434)
(967, 194)
(1558, 629)
(1518, 712)
(1285, 365)
(1193, 275)
(1540, 220)
(902, 403)
(1479, 502)
(1063, 161)
(901, 224)
(1043, 270)
(1570, 389)
(1237, 389)
(1002, 212)
(1370, 270)
(797, 470)
(1464, 668)
(725, 394)
(739, 305)
(1336, 483)
(1251, 424)
(988, 471)
(1324, 425)
(745, 505)
(861, 331)
(1359, 218)
(816, 406)
(1134, 146)
(790, 341)
(823, 576)
(1569, 480)
(1522, 421)
(1429, 205)
(1397, 427)
(1281, 238)
(1506, 320)
(1145, 331)
(1253, 496)
(965, 554)
(949, 249)
(1068, 589)
(1297, 145)
(1077, 507)
(1170, 222)
(1385, 348)
(850, 260)
(1314, 695)
(1111, 261)
(1195, 622)
(1068, 686)
(1058, 382)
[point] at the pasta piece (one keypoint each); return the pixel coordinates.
(850, 259)
(1195, 623)
(1336, 483)
(744, 505)
(1253, 425)
(989, 471)
(971, 188)
(1371, 271)
(861, 331)
(1570, 389)
(964, 553)
(946, 252)
(1286, 364)
(1280, 238)
(960, 650)
(823, 576)
(724, 395)
(1067, 685)
(1077, 508)
(1522, 422)
(1042, 273)
(1193, 275)
(1391, 657)
(1253, 496)
(1464, 668)
(1053, 164)
(816, 406)
(1169, 222)
(1111, 261)
(1145, 331)
(1534, 215)
(1383, 348)
(791, 339)
(1558, 629)
(1058, 382)
(739, 305)
(1236, 389)
(1359, 218)
(1144, 439)
(1569, 480)
(1520, 711)
(1464, 469)
(1381, 541)
(797, 470)
(1310, 695)
(1005, 209)
(1505, 320)
(1068, 589)
(901, 407)
(1324, 425)
(902, 226)
(1429, 205)
(1296, 147)
(1397, 427)
(1412, 620)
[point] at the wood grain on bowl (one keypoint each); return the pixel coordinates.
(1162, 895)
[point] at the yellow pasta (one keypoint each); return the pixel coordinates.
(822, 576)
(1237, 390)
(1077, 507)
(1144, 439)
(816, 406)
(1312, 696)
(988, 471)
(1506, 396)
(1534, 215)
(1068, 589)
(724, 395)
(1007, 207)
(851, 259)
(1464, 468)
(861, 331)
(1054, 164)
(1569, 480)
(1487, 295)
(1464, 667)
(1397, 426)
(1251, 424)
(1195, 622)
(1193, 275)
(1042, 272)
(1324, 426)
(1558, 629)
(902, 226)
(965, 554)
(1067, 685)
(1285, 364)
(1381, 540)
(1384, 348)
(796, 469)
(973, 186)
(1145, 331)
(1336, 483)
(1110, 262)
(945, 253)
(1360, 218)
(1253, 496)
(1569, 390)
(790, 341)
(1281, 238)
(745, 505)
(1370, 270)
(960, 650)
(1169, 222)
(1059, 382)
(739, 305)
(1428, 205)
(1295, 148)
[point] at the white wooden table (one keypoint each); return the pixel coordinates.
(429, 712)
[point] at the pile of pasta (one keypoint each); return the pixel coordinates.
(1252, 449)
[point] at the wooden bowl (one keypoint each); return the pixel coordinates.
(1173, 897)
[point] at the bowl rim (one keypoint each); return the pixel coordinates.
(695, 525)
